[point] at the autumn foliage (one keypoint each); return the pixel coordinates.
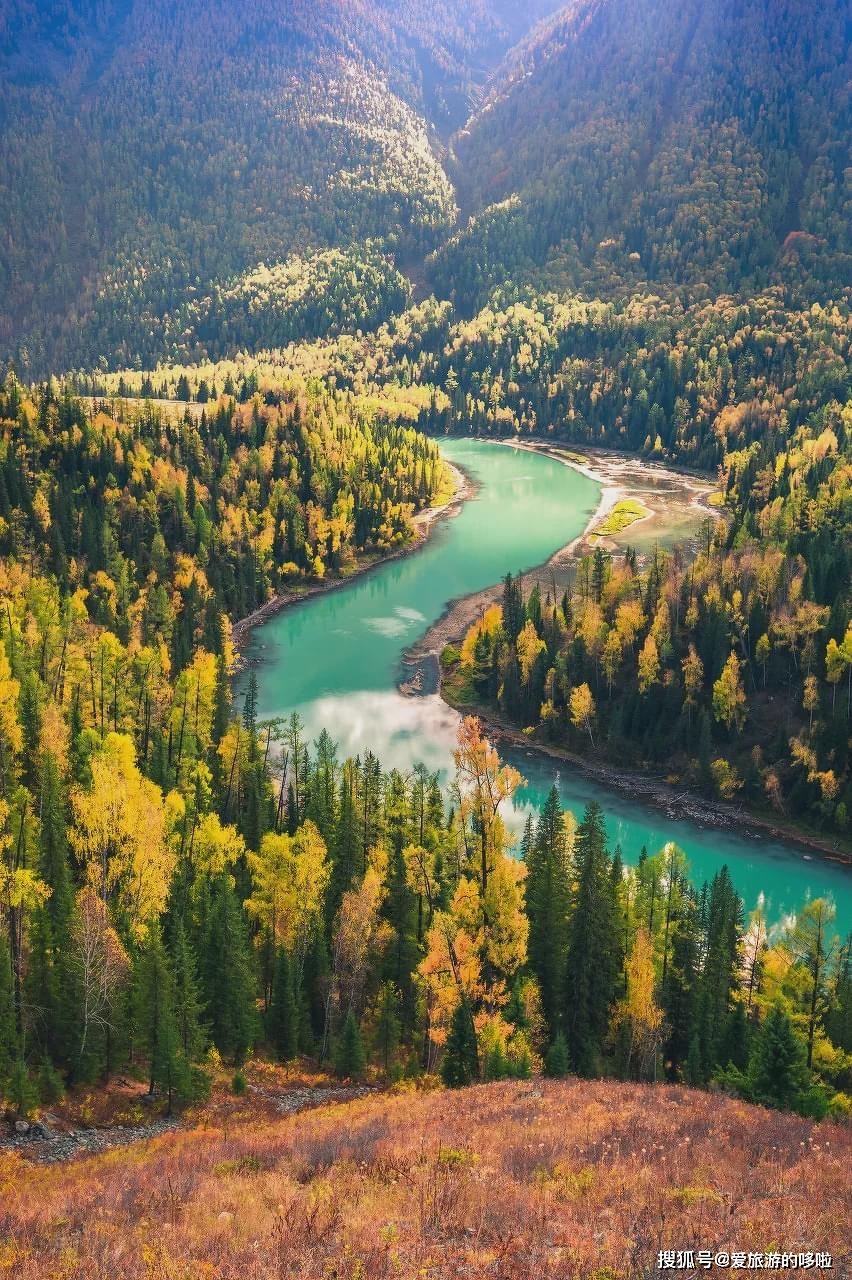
(566, 1180)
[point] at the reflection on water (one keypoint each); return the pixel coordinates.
(403, 731)
(336, 660)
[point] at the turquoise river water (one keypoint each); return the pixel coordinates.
(336, 660)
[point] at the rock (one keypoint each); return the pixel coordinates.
(21, 1127)
(225, 1217)
(40, 1130)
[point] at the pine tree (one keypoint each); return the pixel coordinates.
(388, 1026)
(283, 1018)
(839, 1021)
(346, 846)
(721, 967)
(777, 1074)
(556, 1059)
(547, 906)
(350, 1060)
(227, 978)
(49, 980)
(679, 989)
(222, 707)
(156, 1021)
(592, 963)
(734, 1043)
(402, 955)
(461, 1058)
(311, 998)
(9, 1046)
(188, 1005)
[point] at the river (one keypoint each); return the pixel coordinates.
(335, 658)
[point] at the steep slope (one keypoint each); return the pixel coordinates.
(557, 1179)
(668, 141)
(152, 150)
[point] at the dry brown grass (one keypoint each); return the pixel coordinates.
(515, 1181)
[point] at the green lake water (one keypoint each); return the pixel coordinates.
(336, 660)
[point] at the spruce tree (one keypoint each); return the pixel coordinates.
(387, 1034)
(188, 1004)
(839, 1020)
(591, 969)
(227, 977)
(679, 990)
(461, 1058)
(721, 967)
(556, 1059)
(49, 980)
(402, 955)
(283, 1017)
(311, 999)
(734, 1043)
(156, 1021)
(547, 905)
(9, 1046)
(350, 1060)
(777, 1073)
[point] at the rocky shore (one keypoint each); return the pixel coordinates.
(675, 801)
(46, 1141)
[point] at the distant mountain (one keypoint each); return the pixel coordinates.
(160, 159)
(665, 141)
(152, 150)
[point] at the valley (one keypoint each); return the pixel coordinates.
(337, 660)
(425, 638)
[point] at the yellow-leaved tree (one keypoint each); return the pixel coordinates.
(729, 696)
(476, 948)
(121, 836)
(290, 876)
(637, 1022)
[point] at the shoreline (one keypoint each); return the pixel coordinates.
(612, 471)
(678, 803)
(422, 522)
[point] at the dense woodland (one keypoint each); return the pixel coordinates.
(733, 671)
(631, 144)
(157, 526)
(155, 153)
(715, 383)
(173, 886)
(177, 878)
(242, 211)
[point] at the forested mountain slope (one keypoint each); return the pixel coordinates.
(687, 143)
(151, 149)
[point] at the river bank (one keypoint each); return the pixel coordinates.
(622, 478)
(676, 503)
(423, 522)
(676, 801)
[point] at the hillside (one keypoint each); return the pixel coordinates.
(688, 144)
(512, 1180)
(152, 151)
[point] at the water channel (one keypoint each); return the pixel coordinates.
(335, 658)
